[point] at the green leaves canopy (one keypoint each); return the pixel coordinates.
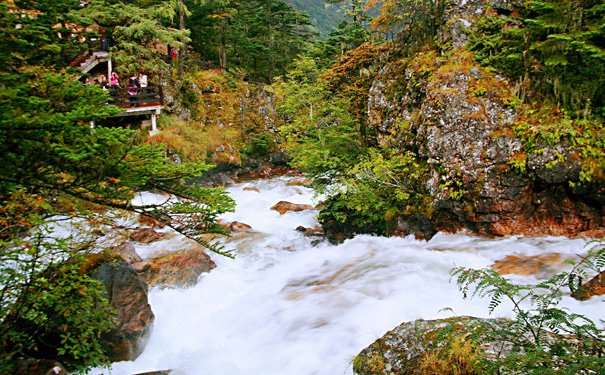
(55, 165)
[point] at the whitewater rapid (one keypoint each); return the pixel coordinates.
(284, 306)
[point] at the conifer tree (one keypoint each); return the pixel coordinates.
(55, 166)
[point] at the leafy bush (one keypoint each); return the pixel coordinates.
(553, 48)
(543, 338)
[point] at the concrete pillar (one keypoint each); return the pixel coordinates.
(109, 70)
(154, 127)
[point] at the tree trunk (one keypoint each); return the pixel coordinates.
(183, 48)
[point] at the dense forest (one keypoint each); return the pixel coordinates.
(57, 170)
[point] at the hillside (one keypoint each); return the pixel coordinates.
(325, 17)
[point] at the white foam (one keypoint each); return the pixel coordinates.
(286, 307)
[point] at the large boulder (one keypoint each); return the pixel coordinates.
(459, 119)
(127, 294)
(181, 268)
(402, 350)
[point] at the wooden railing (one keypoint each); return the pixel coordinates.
(152, 95)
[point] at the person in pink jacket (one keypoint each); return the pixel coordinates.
(114, 79)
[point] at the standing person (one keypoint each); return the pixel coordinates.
(86, 82)
(135, 80)
(132, 91)
(142, 80)
(114, 79)
(104, 83)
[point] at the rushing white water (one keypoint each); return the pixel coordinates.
(284, 306)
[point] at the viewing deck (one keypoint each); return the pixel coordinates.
(147, 100)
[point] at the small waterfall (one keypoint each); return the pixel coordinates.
(284, 306)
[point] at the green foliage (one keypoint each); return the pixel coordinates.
(261, 36)
(367, 186)
(458, 356)
(56, 167)
(320, 130)
(413, 23)
(376, 189)
(44, 29)
(555, 48)
(548, 126)
(136, 30)
(352, 76)
(543, 337)
(48, 308)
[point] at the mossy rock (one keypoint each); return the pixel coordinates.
(402, 350)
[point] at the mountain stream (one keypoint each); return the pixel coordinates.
(288, 306)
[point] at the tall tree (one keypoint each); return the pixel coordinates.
(54, 166)
(259, 36)
(139, 30)
(553, 48)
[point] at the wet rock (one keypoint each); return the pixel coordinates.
(461, 126)
(400, 351)
(127, 294)
(180, 268)
(251, 189)
(145, 235)
(311, 232)
(539, 265)
(234, 226)
(594, 287)
(38, 367)
(421, 227)
(150, 222)
(127, 251)
(237, 226)
(299, 182)
(282, 207)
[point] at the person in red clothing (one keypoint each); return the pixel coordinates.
(132, 91)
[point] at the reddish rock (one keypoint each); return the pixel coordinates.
(150, 222)
(237, 226)
(127, 251)
(469, 145)
(251, 189)
(527, 265)
(178, 268)
(594, 287)
(127, 294)
(282, 207)
(234, 226)
(593, 233)
(145, 235)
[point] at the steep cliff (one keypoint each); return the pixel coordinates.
(460, 119)
(493, 166)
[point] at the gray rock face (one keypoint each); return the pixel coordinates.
(459, 119)
(461, 15)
